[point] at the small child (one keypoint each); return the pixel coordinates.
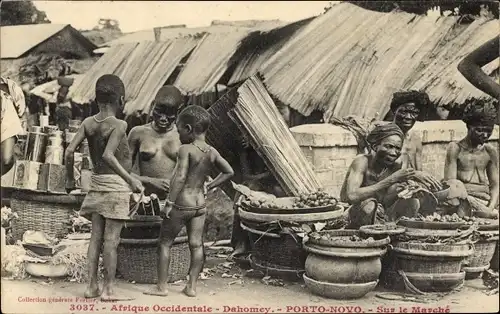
(186, 201)
(107, 202)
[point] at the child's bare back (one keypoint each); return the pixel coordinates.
(97, 133)
(201, 160)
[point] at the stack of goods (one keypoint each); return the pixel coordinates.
(42, 168)
(342, 264)
(278, 226)
(430, 256)
(258, 117)
(138, 248)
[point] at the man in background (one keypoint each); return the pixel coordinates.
(11, 127)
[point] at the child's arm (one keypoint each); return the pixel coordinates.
(70, 157)
(180, 174)
(109, 157)
(225, 169)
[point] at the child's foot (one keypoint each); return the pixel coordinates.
(190, 292)
(109, 295)
(92, 291)
(157, 292)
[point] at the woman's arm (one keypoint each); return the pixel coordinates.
(470, 67)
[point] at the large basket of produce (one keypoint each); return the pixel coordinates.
(138, 260)
(447, 222)
(45, 212)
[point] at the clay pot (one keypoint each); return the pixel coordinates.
(344, 262)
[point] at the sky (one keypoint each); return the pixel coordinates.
(139, 15)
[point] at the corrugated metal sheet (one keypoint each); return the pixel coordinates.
(143, 67)
(259, 47)
(351, 60)
(18, 39)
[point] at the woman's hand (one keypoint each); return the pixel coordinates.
(165, 211)
(136, 185)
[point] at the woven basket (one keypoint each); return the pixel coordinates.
(430, 258)
(277, 251)
(48, 213)
(138, 260)
(480, 259)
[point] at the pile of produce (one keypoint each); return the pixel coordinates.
(79, 224)
(449, 218)
(7, 216)
(490, 280)
(345, 239)
(316, 199)
(13, 257)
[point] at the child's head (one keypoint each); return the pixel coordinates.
(110, 90)
(480, 121)
(192, 122)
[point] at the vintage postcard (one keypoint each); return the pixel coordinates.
(249, 156)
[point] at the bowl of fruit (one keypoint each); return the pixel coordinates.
(316, 202)
(435, 221)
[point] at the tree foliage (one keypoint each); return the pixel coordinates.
(465, 7)
(21, 12)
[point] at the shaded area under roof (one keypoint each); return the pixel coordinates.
(258, 47)
(143, 67)
(351, 60)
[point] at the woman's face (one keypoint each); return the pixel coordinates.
(164, 117)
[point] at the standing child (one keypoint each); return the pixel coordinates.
(107, 202)
(186, 201)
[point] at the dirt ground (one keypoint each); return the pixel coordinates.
(232, 294)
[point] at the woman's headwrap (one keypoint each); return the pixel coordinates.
(480, 114)
(420, 99)
(382, 131)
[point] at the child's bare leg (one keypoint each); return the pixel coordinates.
(195, 233)
(93, 254)
(111, 240)
(169, 230)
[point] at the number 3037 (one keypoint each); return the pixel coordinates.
(81, 307)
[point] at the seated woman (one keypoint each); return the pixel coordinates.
(474, 162)
(375, 179)
(155, 145)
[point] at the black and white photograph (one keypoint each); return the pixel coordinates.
(250, 156)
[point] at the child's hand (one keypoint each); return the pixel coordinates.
(136, 185)
(165, 211)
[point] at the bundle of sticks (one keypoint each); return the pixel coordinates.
(257, 116)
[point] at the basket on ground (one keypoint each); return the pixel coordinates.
(421, 262)
(484, 250)
(138, 260)
(45, 212)
(337, 260)
(277, 251)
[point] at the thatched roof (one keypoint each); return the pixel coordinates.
(144, 67)
(351, 60)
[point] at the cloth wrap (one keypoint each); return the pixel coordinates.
(382, 131)
(109, 196)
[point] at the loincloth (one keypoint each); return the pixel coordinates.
(109, 196)
(186, 213)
